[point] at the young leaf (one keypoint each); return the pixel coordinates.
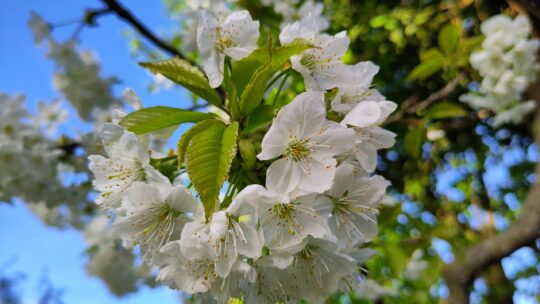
(244, 69)
(189, 134)
(254, 91)
(183, 73)
(444, 110)
(431, 62)
(449, 38)
(261, 115)
(157, 118)
(208, 160)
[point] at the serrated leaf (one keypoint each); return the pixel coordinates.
(448, 38)
(444, 110)
(208, 160)
(263, 114)
(185, 74)
(414, 139)
(157, 118)
(188, 135)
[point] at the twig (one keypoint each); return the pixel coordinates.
(127, 16)
(411, 105)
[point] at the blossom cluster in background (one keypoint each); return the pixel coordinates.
(507, 64)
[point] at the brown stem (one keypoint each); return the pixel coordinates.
(128, 17)
(411, 105)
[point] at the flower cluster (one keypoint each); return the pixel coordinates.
(78, 73)
(507, 64)
(301, 233)
(32, 162)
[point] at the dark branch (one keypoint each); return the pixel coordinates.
(122, 12)
(411, 105)
(128, 17)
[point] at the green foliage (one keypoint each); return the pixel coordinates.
(183, 73)
(431, 61)
(251, 74)
(414, 140)
(156, 118)
(443, 110)
(449, 38)
(208, 160)
(261, 116)
(188, 135)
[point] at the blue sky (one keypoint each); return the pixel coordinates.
(28, 246)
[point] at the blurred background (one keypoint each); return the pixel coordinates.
(457, 179)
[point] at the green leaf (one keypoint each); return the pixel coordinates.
(157, 118)
(275, 59)
(208, 160)
(244, 69)
(281, 54)
(184, 141)
(262, 115)
(414, 139)
(444, 110)
(183, 73)
(431, 62)
(449, 38)
(167, 166)
(254, 92)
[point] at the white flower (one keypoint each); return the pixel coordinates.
(357, 88)
(317, 269)
(229, 233)
(313, 271)
(290, 13)
(416, 265)
(371, 290)
(51, 115)
(109, 261)
(286, 223)
(189, 275)
(39, 27)
(127, 162)
(507, 63)
(152, 214)
(235, 36)
(365, 118)
(355, 197)
(307, 143)
(321, 65)
(515, 114)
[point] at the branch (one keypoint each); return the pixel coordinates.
(411, 105)
(126, 15)
(524, 231)
(122, 12)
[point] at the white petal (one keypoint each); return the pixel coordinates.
(283, 176)
(367, 156)
(274, 143)
(365, 114)
(181, 199)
